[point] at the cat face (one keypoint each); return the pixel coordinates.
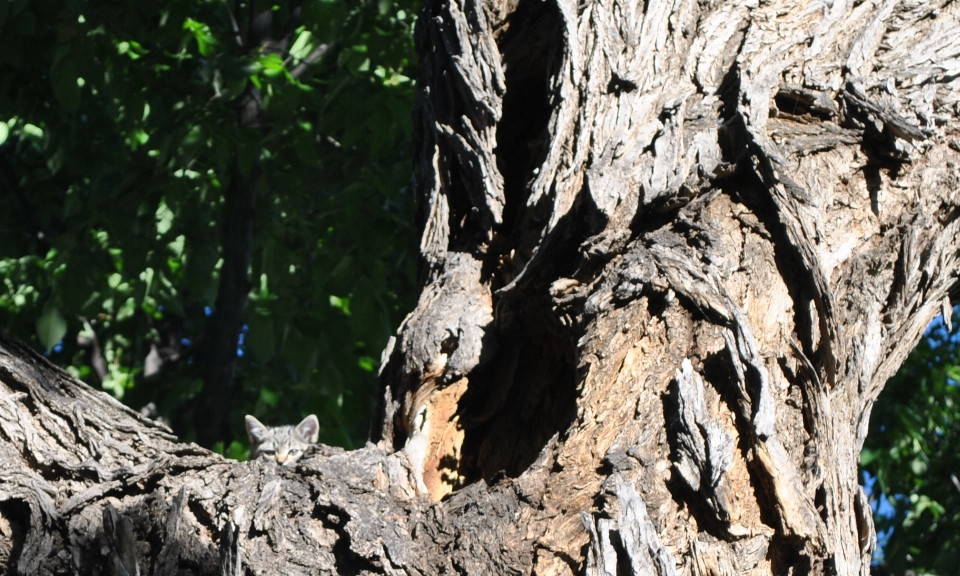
(281, 444)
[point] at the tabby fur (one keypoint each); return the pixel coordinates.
(281, 444)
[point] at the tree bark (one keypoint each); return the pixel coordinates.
(671, 253)
(675, 248)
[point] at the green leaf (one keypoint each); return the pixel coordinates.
(206, 43)
(51, 326)
(269, 397)
(164, 219)
(32, 131)
(301, 353)
(272, 62)
(4, 132)
(126, 310)
(237, 451)
(342, 304)
(953, 372)
(367, 364)
(303, 45)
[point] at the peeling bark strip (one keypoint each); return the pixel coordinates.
(630, 540)
(672, 251)
(705, 448)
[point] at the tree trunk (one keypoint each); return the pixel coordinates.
(226, 324)
(671, 253)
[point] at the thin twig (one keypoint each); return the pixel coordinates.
(233, 22)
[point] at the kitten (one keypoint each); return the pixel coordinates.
(281, 444)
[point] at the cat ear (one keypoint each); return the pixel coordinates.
(309, 429)
(255, 430)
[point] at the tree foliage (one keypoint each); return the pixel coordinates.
(118, 135)
(913, 452)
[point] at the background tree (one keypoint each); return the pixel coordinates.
(161, 161)
(911, 452)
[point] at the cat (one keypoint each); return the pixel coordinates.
(281, 444)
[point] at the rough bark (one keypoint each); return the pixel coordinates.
(89, 486)
(671, 253)
(677, 247)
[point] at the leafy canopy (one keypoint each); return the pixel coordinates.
(118, 130)
(913, 453)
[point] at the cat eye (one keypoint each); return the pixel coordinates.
(294, 451)
(267, 452)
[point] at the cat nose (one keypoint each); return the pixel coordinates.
(281, 458)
